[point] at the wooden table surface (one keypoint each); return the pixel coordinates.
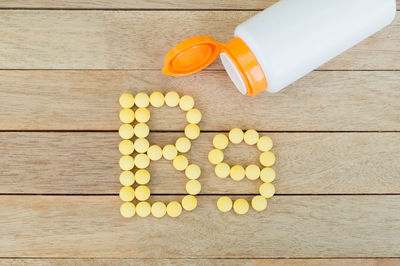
(63, 66)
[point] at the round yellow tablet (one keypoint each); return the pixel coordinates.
(193, 116)
(142, 176)
(143, 209)
(259, 203)
(193, 187)
(237, 172)
(267, 190)
(141, 130)
(126, 162)
(189, 203)
(241, 206)
(236, 135)
(142, 193)
(186, 103)
(154, 152)
(215, 156)
(192, 131)
(169, 152)
(252, 172)
(172, 99)
(267, 174)
(220, 141)
(183, 144)
(224, 204)
(142, 115)
(267, 158)
(127, 115)
(126, 147)
(174, 209)
(251, 137)
(126, 131)
(141, 145)
(222, 170)
(180, 162)
(193, 171)
(157, 99)
(142, 99)
(127, 209)
(127, 193)
(142, 160)
(158, 209)
(126, 100)
(264, 143)
(127, 178)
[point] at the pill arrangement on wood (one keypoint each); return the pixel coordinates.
(134, 132)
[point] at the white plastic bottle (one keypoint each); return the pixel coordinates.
(284, 42)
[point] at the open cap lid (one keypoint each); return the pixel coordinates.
(191, 56)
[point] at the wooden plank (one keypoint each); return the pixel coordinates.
(296, 226)
(88, 100)
(307, 163)
(40, 39)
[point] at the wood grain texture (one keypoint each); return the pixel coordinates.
(307, 163)
(88, 100)
(296, 226)
(44, 39)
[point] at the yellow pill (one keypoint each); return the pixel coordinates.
(237, 172)
(267, 190)
(220, 141)
(141, 130)
(141, 145)
(172, 99)
(157, 99)
(174, 209)
(180, 162)
(169, 152)
(142, 160)
(267, 158)
(192, 131)
(264, 143)
(183, 144)
(127, 209)
(127, 115)
(193, 171)
(127, 178)
(267, 174)
(126, 147)
(193, 187)
(241, 206)
(236, 135)
(142, 99)
(186, 103)
(259, 203)
(142, 115)
(142, 193)
(158, 209)
(126, 162)
(154, 152)
(143, 209)
(222, 170)
(193, 116)
(127, 193)
(126, 100)
(126, 131)
(189, 203)
(215, 156)
(224, 204)
(251, 137)
(252, 172)
(142, 176)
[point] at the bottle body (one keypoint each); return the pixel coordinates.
(292, 38)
